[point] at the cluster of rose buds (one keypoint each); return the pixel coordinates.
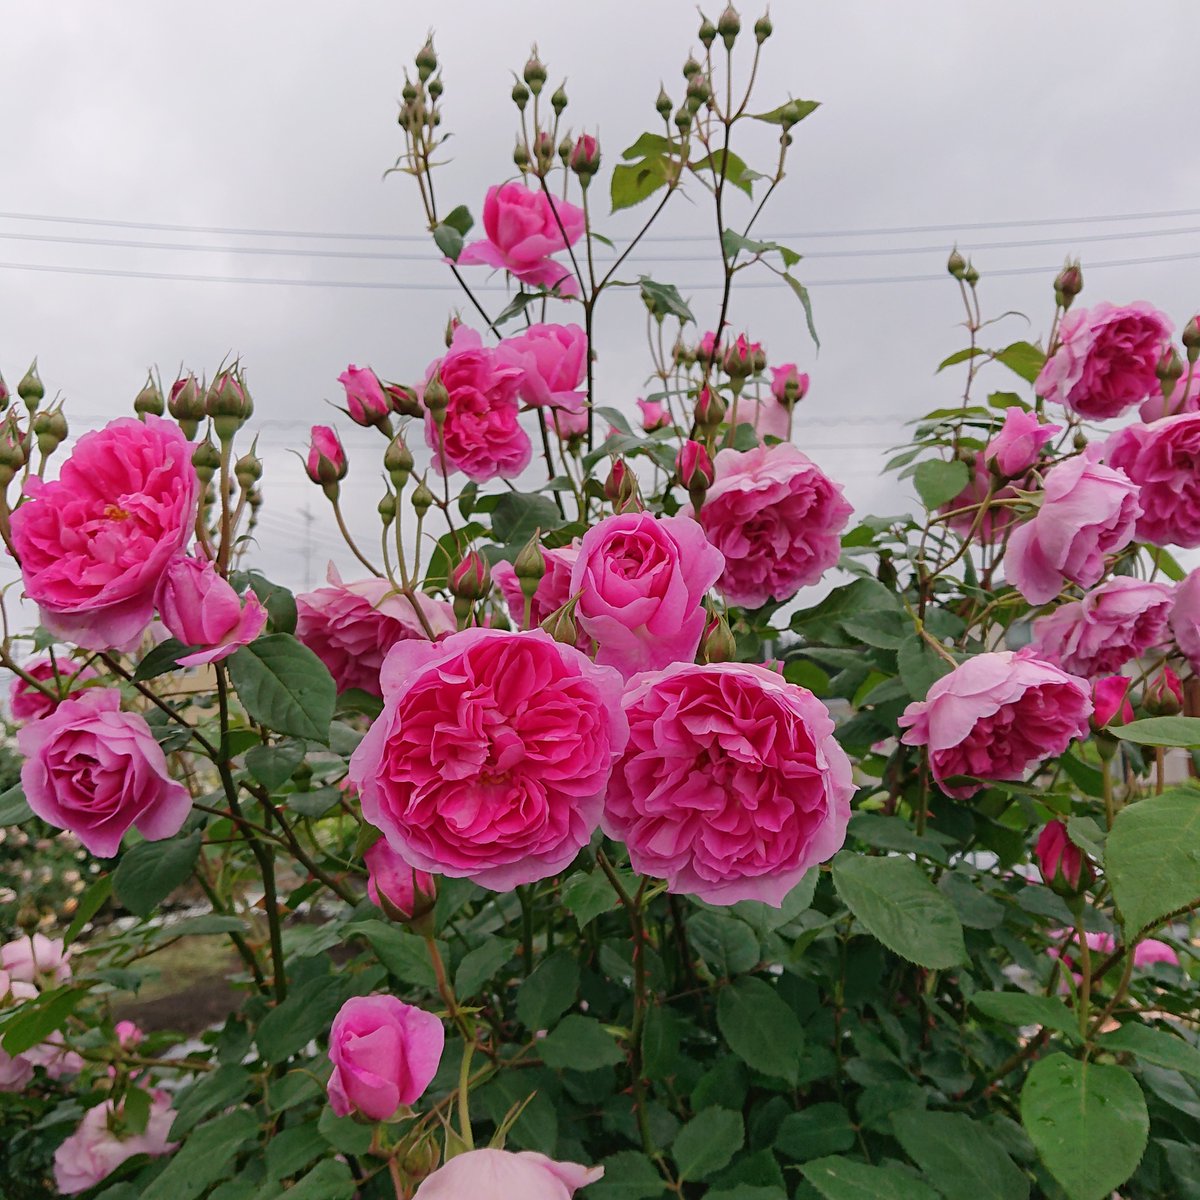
(539, 139)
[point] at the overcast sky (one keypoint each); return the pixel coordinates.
(280, 115)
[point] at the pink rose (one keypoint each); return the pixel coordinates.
(28, 704)
(394, 886)
(93, 543)
(707, 348)
(16, 1070)
(693, 467)
(769, 417)
(96, 771)
(483, 437)
(385, 1053)
(1088, 511)
(1145, 953)
(129, 1035)
(1110, 701)
(789, 385)
(569, 422)
(732, 784)
(1016, 446)
(654, 415)
(554, 361)
(27, 959)
(350, 627)
(365, 398)
(1060, 861)
(641, 582)
(1185, 618)
(1185, 398)
(1163, 696)
(995, 716)
(1119, 620)
(200, 608)
(94, 1151)
(54, 1058)
(491, 756)
(522, 232)
(1106, 358)
(997, 519)
(1163, 460)
(502, 1175)
(777, 518)
(326, 462)
(743, 357)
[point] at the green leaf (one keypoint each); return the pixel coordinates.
(90, 904)
(548, 992)
(587, 896)
(1152, 856)
(628, 1175)
(747, 1191)
(1088, 1122)
(664, 300)
(733, 243)
(14, 808)
(460, 219)
(1154, 1046)
(634, 182)
(1020, 1008)
(285, 686)
(404, 954)
(789, 113)
(519, 515)
(708, 1142)
(1025, 359)
(894, 899)
(958, 1156)
(37, 1019)
(724, 163)
(276, 599)
(163, 658)
(1088, 836)
(805, 303)
(151, 871)
(938, 482)
(920, 666)
(580, 1044)
(306, 1014)
(727, 945)
(960, 356)
(816, 1130)
(273, 765)
(885, 629)
(839, 1178)
(292, 1149)
(761, 1028)
(205, 1157)
(344, 1133)
(329, 1180)
(216, 1090)
(1162, 731)
(481, 964)
(449, 241)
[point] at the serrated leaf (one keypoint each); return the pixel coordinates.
(14, 808)
(761, 1028)
(460, 218)
(632, 183)
(1021, 1008)
(579, 1043)
(938, 482)
(708, 1142)
(36, 1019)
(1024, 359)
(163, 658)
(449, 241)
(403, 953)
(958, 1156)
(329, 1180)
(205, 1157)
(273, 765)
(519, 515)
(151, 871)
(283, 685)
(791, 112)
(1088, 836)
(587, 896)
(481, 964)
(1154, 1046)
(802, 295)
(216, 1090)
(664, 300)
(839, 1178)
(960, 356)
(90, 904)
(727, 945)
(1162, 731)
(548, 992)
(628, 1175)
(920, 666)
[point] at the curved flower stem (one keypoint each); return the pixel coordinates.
(362, 558)
(464, 1096)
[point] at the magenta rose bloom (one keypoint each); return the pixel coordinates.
(94, 1151)
(1016, 447)
(1185, 398)
(201, 609)
(1163, 459)
(1088, 511)
(93, 543)
(641, 582)
(1106, 358)
(732, 784)
(503, 1175)
(1185, 618)
(28, 703)
(96, 771)
(554, 361)
(350, 627)
(394, 886)
(366, 400)
(1118, 621)
(384, 1054)
(777, 518)
(1110, 701)
(491, 756)
(522, 232)
(483, 437)
(995, 716)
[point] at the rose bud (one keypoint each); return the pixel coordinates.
(729, 25)
(326, 463)
(149, 399)
(664, 103)
(738, 360)
(615, 480)
(1068, 284)
(956, 264)
(585, 158)
(1190, 338)
(535, 73)
(1064, 868)
(366, 402)
(228, 403)
(186, 404)
(206, 460)
(1164, 694)
(1110, 700)
(695, 471)
(710, 408)
(717, 644)
(50, 429)
(530, 565)
(788, 384)
(398, 462)
(31, 389)
(403, 893)
(403, 400)
(472, 578)
(558, 100)
(4, 394)
(707, 348)
(654, 415)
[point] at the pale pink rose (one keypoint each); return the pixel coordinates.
(995, 716)
(767, 415)
(777, 518)
(1088, 511)
(1016, 446)
(731, 786)
(350, 627)
(365, 398)
(554, 361)
(54, 1057)
(129, 1034)
(93, 543)
(97, 771)
(28, 703)
(1118, 621)
(654, 415)
(482, 434)
(1065, 942)
(641, 582)
(15, 1070)
(524, 227)
(997, 519)
(1110, 700)
(502, 1175)
(201, 609)
(1163, 460)
(1185, 398)
(569, 423)
(28, 959)
(1185, 618)
(94, 1151)
(394, 886)
(789, 385)
(491, 756)
(384, 1053)
(1106, 359)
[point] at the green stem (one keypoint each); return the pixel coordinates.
(526, 927)
(464, 1093)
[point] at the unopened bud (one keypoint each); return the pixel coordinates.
(558, 100)
(185, 403)
(422, 498)
(426, 60)
(386, 508)
(1079, 441)
(228, 403)
(738, 361)
(1065, 869)
(694, 468)
(718, 644)
(616, 477)
(1169, 368)
(710, 408)
(404, 400)
(530, 565)
(326, 463)
(535, 73)
(398, 462)
(435, 398)
(663, 104)
(970, 275)
(435, 88)
(683, 119)
(50, 429)
(560, 624)
(521, 155)
(4, 394)
(472, 578)
(681, 354)
(1164, 694)
(698, 92)
(149, 399)
(691, 69)
(564, 150)
(12, 450)
(956, 264)
(206, 459)
(30, 388)
(729, 25)
(707, 33)
(247, 471)
(520, 95)
(543, 151)
(1068, 284)
(763, 28)
(1191, 340)
(585, 157)
(409, 93)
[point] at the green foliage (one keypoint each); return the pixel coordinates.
(283, 684)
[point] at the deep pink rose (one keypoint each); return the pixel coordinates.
(554, 361)
(777, 518)
(502, 1175)
(28, 703)
(1163, 459)
(326, 462)
(1106, 358)
(384, 1054)
(1110, 701)
(1185, 398)
(491, 756)
(1060, 861)
(96, 771)
(641, 582)
(693, 467)
(1185, 618)
(1120, 620)
(1016, 446)
(201, 609)
(394, 886)
(654, 415)
(28, 959)
(1163, 696)
(94, 1151)
(365, 398)
(732, 784)
(522, 232)
(996, 715)
(707, 348)
(483, 437)
(350, 627)
(93, 543)
(1088, 511)
(789, 385)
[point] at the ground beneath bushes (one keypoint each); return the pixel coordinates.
(191, 991)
